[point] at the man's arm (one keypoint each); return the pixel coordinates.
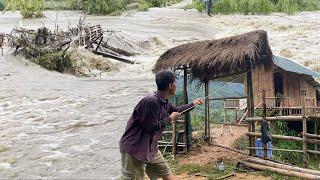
(181, 108)
(185, 107)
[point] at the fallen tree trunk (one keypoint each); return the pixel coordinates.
(280, 171)
(282, 166)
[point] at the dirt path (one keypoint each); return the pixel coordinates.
(205, 154)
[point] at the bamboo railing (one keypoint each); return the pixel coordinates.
(305, 139)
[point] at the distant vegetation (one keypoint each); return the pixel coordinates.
(100, 7)
(33, 8)
(258, 6)
(1, 5)
(28, 8)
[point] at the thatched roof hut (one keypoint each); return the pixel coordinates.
(214, 58)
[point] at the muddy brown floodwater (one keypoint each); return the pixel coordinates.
(57, 126)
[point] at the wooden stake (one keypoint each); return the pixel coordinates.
(207, 114)
(185, 101)
(250, 106)
(264, 105)
(304, 128)
(316, 133)
(174, 139)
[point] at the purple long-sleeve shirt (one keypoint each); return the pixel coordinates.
(145, 126)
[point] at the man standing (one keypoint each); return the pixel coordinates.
(139, 143)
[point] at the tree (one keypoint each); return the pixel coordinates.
(28, 8)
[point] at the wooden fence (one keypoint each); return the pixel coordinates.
(305, 139)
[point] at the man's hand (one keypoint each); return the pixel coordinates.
(198, 101)
(174, 116)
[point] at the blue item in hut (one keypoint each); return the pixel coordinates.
(259, 152)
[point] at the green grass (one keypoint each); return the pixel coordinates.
(208, 169)
(144, 6)
(198, 5)
(259, 6)
(104, 7)
(59, 5)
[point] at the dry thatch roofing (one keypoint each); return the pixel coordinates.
(213, 58)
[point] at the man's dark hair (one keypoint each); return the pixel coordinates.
(163, 79)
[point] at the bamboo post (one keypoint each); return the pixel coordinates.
(264, 105)
(186, 115)
(174, 133)
(250, 106)
(224, 119)
(207, 117)
(236, 118)
(225, 116)
(316, 132)
(304, 127)
(174, 139)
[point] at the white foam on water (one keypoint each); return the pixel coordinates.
(5, 166)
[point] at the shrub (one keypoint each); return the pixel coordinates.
(28, 8)
(2, 6)
(156, 3)
(58, 61)
(103, 6)
(144, 6)
(197, 4)
(263, 6)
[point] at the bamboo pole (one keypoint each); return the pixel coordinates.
(316, 132)
(174, 133)
(264, 105)
(174, 139)
(313, 152)
(293, 138)
(185, 101)
(288, 150)
(236, 116)
(304, 128)
(224, 98)
(250, 105)
(226, 176)
(230, 149)
(207, 114)
(277, 136)
(232, 124)
(276, 149)
(276, 118)
(282, 166)
(313, 135)
(281, 171)
(251, 152)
